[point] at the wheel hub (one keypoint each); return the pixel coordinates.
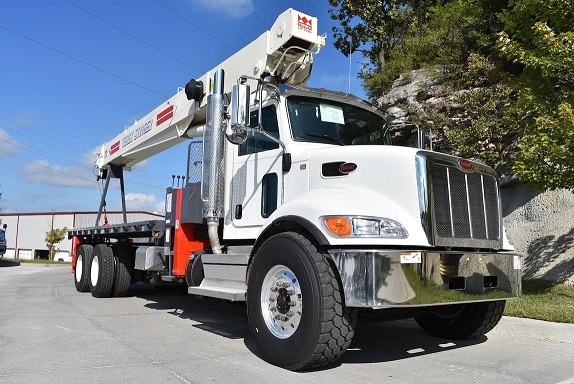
(281, 301)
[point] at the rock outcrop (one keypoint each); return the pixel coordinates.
(540, 224)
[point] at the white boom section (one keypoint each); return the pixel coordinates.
(285, 51)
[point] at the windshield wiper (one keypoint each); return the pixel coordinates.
(322, 136)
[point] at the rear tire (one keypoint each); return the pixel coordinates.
(463, 322)
(122, 270)
(83, 267)
(294, 304)
(102, 271)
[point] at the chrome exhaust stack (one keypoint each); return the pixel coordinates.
(214, 161)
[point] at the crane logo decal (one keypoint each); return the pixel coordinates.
(305, 23)
(164, 115)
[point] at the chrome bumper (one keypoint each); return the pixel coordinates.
(391, 278)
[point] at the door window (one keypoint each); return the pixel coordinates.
(256, 141)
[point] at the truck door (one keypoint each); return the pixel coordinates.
(257, 175)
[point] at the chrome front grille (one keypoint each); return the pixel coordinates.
(459, 208)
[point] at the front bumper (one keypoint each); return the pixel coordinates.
(391, 278)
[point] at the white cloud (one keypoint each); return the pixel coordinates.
(43, 172)
(334, 81)
(8, 145)
(235, 9)
(144, 202)
(27, 119)
(142, 165)
(89, 158)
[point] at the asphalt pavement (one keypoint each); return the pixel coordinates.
(50, 333)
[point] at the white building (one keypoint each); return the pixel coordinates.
(26, 232)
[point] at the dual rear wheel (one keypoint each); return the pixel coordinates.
(103, 270)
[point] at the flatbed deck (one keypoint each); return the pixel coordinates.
(137, 229)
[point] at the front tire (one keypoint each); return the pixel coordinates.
(102, 271)
(294, 304)
(463, 322)
(83, 266)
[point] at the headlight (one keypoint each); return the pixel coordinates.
(360, 226)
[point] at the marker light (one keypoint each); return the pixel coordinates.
(466, 164)
(340, 226)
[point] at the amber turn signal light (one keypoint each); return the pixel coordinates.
(340, 226)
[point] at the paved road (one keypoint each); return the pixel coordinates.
(49, 333)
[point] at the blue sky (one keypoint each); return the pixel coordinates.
(74, 73)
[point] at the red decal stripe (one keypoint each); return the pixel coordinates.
(115, 147)
(164, 115)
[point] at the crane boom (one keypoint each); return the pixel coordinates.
(285, 52)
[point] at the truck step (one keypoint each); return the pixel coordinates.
(219, 292)
(224, 277)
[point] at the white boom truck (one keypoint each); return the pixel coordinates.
(296, 202)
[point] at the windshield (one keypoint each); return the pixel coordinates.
(325, 121)
(2, 236)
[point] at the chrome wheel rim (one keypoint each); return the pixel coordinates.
(95, 272)
(79, 268)
(281, 301)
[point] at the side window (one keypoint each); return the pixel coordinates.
(257, 142)
(269, 193)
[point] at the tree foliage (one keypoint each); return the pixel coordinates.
(484, 133)
(376, 28)
(53, 237)
(511, 62)
(539, 36)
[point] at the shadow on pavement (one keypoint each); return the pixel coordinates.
(374, 342)
(9, 263)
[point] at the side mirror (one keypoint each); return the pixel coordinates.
(236, 133)
(5, 226)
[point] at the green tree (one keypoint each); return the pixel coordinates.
(512, 59)
(546, 158)
(485, 133)
(539, 39)
(375, 27)
(53, 237)
(398, 36)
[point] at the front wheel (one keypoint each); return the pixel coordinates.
(294, 304)
(463, 321)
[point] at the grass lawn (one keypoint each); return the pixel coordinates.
(543, 300)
